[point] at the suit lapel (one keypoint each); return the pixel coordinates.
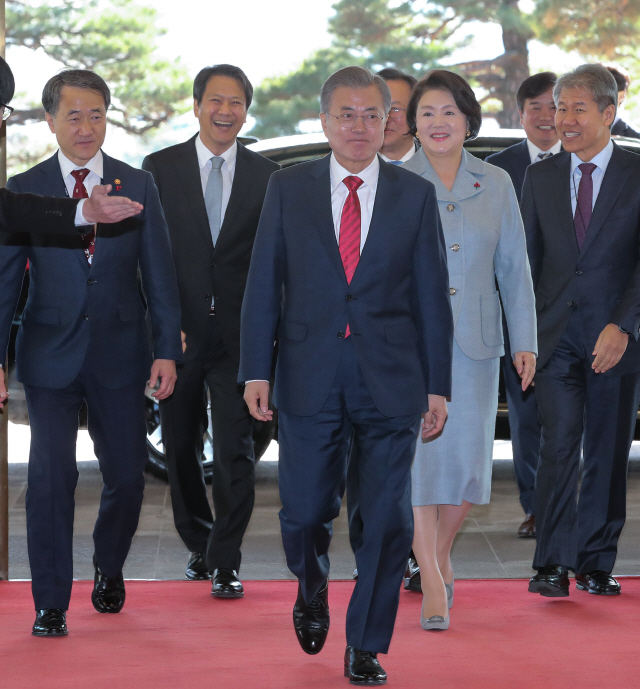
(614, 180)
(559, 188)
(319, 205)
(240, 190)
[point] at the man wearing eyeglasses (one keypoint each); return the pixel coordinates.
(349, 265)
(398, 145)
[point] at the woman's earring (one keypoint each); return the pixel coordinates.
(468, 133)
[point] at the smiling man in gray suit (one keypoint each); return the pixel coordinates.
(581, 211)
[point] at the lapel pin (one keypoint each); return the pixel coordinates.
(118, 183)
(477, 185)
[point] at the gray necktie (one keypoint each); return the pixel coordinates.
(213, 197)
(544, 156)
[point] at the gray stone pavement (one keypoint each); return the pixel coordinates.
(487, 546)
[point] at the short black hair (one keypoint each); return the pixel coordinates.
(621, 76)
(393, 74)
(203, 76)
(75, 78)
(465, 98)
(535, 86)
(7, 83)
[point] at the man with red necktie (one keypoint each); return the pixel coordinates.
(349, 265)
(581, 213)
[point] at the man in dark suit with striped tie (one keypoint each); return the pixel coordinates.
(537, 114)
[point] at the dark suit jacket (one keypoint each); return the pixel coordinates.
(397, 304)
(621, 128)
(31, 213)
(514, 160)
(73, 305)
(203, 271)
(603, 279)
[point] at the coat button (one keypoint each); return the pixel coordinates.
(86, 316)
(349, 297)
(91, 281)
(452, 290)
(455, 247)
(569, 303)
(578, 272)
(451, 207)
(207, 297)
(340, 334)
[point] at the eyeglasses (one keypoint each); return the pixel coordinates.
(348, 119)
(396, 112)
(7, 112)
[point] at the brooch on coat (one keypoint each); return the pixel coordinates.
(118, 184)
(477, 185)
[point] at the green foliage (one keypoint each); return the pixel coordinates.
(117, 40)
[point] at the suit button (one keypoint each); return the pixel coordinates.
(451, 207)
(455, 247)
(91, 282)
(578, 272)
(349, 297)
(452, 290)
(340, 334)
(208, 297)
(569, 303)
(86, 316)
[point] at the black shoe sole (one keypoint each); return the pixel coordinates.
(222, 594)
(46, 634)
(582, 587)
(366, 682)
(412, 586)
(526, 535)
(197, 578)
(548, 590)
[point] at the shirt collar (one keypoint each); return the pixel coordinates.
(369, 175)
(205, 155)
(96, 164)
(407, 156)
(601, 159)
(534, 150)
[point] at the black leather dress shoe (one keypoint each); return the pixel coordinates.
(50, 622)
(311, 621)
(412, 580)
(197, 568)
(598, 582)
(226, 584)
(528, 527)
(108, 592)
(551, 581)
(362, 667)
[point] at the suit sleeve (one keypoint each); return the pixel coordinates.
(150, 166)
(514, 275)
(262, 297)
(159, 278)
(533, 232)
(33, 213)
(435, 319)
(627, 312)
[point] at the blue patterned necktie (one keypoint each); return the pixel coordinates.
(396, 162)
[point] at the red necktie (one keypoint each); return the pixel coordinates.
(584, 205)
(350, 231)
(80, 192)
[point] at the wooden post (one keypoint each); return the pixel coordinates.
(4, 415)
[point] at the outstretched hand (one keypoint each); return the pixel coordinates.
(100, 207)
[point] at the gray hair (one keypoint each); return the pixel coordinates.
(75, 78)
(596, 79)
(353, 78)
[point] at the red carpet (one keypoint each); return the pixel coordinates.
(173, 635)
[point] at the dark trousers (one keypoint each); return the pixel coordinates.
(312, 470)
(117, 429)
(578, 526)
(525, 427)
(184, 422)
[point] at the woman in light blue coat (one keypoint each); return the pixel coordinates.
(485, 243)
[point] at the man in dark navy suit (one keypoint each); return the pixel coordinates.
(364, 347)
(537, 116)
(83, 338)
(581, 212)
(623, 81)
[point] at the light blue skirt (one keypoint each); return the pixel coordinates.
(457, 465)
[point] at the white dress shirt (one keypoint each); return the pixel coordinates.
(534, 150)
(601, 160)
(366, 195)
(407, 156)
(94, 177)
(227, 171)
